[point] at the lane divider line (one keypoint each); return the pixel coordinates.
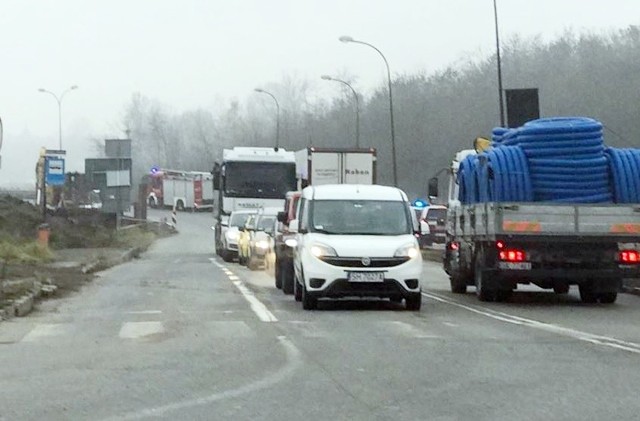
(547, 327)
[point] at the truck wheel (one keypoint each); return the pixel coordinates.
(287, 278)
(561, 288)
(413, 302)
(180, 205)
(607, 297)
(481, 289)
(503, 295)
(587, 295)
(458, 285)
(277, 275)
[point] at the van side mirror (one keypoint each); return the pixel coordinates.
(433, 187)
(282, 217)
(293, 226)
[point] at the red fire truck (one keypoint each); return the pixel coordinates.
(180, 189)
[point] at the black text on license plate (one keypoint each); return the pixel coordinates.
(515, 265)
(366, 277)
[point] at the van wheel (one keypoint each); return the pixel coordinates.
(309, 302)
(458, 285)
(277, 275)
(297, 290)
(413, 302)
(587, 295)
(226, 255)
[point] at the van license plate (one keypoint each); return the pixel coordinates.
(366, 277)
(515, 265)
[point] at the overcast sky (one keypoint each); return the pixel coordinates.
(197, 53)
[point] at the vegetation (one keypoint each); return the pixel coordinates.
(436, 112)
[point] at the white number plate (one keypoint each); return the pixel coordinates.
(515, 265)
(366, 276)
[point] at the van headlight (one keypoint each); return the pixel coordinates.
(291, 242)
(232, 235)
(408, 250)
(322, 250)
(262, 244)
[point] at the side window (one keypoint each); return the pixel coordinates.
(302, 212)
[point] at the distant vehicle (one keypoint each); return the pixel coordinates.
(227, 248)
(317, 166)
(180, 189)
(256, 238)
(250, 178)
(356, 240)
(436, 218)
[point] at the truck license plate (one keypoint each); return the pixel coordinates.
(366, 277)
(515, 265)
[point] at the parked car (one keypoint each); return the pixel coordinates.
(356, 240)
(256, 239)
(436, 218)
(231, 233)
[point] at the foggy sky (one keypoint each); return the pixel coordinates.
(201, 53)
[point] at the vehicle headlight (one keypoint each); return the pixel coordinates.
(262, 244)
(291, 242)
(408, 250)
(232, 235)
(322, 250)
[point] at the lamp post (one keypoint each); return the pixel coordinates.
(346, 39)
(495, 15)
(262, 91)
(59, 101)
(355, 97)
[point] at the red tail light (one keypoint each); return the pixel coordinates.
(629, 256)
(500, 244)
(454, 246)
(511, 255)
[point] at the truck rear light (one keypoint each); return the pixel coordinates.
(629, 256)
(454, 245)
(499, 244)
(510, 255)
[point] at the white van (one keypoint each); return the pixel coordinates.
(356, 240)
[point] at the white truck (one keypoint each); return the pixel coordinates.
(317, 166)
(495, 246)
(250, 178)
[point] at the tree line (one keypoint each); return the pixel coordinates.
(436, 114)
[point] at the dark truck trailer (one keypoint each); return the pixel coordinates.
(496, 246)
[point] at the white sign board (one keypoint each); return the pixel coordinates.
(358, 168)
(118, 178)
(325, 168)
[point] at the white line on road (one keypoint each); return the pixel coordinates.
(547, 327)
(134, 330)
(145, 312)
(293, 362)
(260, 309)
(44, 330)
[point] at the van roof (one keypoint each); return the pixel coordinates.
(354, 192)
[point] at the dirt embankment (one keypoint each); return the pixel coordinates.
(80, 242)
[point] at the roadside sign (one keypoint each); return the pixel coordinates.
(54, 171)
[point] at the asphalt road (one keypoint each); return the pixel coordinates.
(179, 334)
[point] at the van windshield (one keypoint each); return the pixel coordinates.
(360, 217)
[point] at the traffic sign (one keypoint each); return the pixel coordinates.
(54, 171)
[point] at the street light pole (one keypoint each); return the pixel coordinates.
(59, 101)
(500, 96)
(262, 91)
(345, 39)
(355, 96)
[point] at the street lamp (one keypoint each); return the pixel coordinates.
(262, 91)
(59, 100)
(345, 39)
(355, 97)
(495, 14)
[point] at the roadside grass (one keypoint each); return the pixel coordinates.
(134, 236)
(29, 252)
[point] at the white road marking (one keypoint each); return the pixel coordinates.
(145, 312)
(134, 330)
(547, 327)
(45, 330)
(260, 309)
(407, 330)
(294, 361)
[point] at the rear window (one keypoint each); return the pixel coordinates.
(436, 214)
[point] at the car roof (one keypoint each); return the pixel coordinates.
(354, 192)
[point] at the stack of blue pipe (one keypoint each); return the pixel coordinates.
(562, 159)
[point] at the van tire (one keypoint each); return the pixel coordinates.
(309, 302)
(413, 302)
(286, 274)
